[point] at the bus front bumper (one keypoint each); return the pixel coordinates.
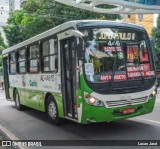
(92, 114)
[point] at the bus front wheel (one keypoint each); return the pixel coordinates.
(17, 101)
(52, 111)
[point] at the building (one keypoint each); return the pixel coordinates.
(148, 21)
(7, 6)
(22, 2)
(4, 10)
(11, 5)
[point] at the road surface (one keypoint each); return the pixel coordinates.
(33, 125)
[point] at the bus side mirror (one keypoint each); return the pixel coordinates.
(80, 46)
(80, 50)
(143, 50)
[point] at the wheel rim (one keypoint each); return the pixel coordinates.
(17, 100)
(52, 111)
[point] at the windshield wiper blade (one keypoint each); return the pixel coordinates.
(124, 60)
(115, 60)
(142, 77)
(114, 65)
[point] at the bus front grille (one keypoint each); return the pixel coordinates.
(125, 102)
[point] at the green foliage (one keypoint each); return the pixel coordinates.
(156, 33)
(158, 56)
(41, 15)
(156, 36)
(1, 41)
(2, 47)
(13, 31)
(0, 60)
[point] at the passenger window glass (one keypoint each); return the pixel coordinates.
(12, 63)
(49, 56)
(34, 58)
(34, 51)
(22, 61)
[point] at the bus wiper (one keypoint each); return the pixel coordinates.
(114, 65)
(125, 64)
(135, 62)
(115, 61)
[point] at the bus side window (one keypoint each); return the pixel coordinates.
(12, 63)
(22, 61)
(34, 58)
(50, 56)
(56, 63)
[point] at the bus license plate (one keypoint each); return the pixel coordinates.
(128, 111)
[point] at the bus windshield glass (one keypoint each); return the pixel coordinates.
(113, 54)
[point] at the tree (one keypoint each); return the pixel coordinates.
(2, 47)
(12, 29)
(156, 37)
(41, 15)
(156, 33)
(1, 41)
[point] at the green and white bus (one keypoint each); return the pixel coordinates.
(86, 71)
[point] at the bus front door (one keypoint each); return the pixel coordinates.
(6, 76)
(68, 71)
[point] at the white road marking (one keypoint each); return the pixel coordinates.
(11, 135)
(148, 120)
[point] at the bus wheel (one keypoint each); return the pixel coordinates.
(2, 86)
(52, 111)
(17, 101)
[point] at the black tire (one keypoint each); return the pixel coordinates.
(52, 111)
(2, 86)
(17, 101)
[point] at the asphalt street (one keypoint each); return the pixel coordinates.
(34, 125)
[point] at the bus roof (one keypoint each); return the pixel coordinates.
(71, 24)
(107, 23)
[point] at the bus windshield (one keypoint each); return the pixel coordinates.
(113, 54)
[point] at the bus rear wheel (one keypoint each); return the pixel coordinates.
(17, 101)
(2, 86)
(52, 111)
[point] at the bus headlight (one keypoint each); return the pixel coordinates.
(153, 94)
(93, 101)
